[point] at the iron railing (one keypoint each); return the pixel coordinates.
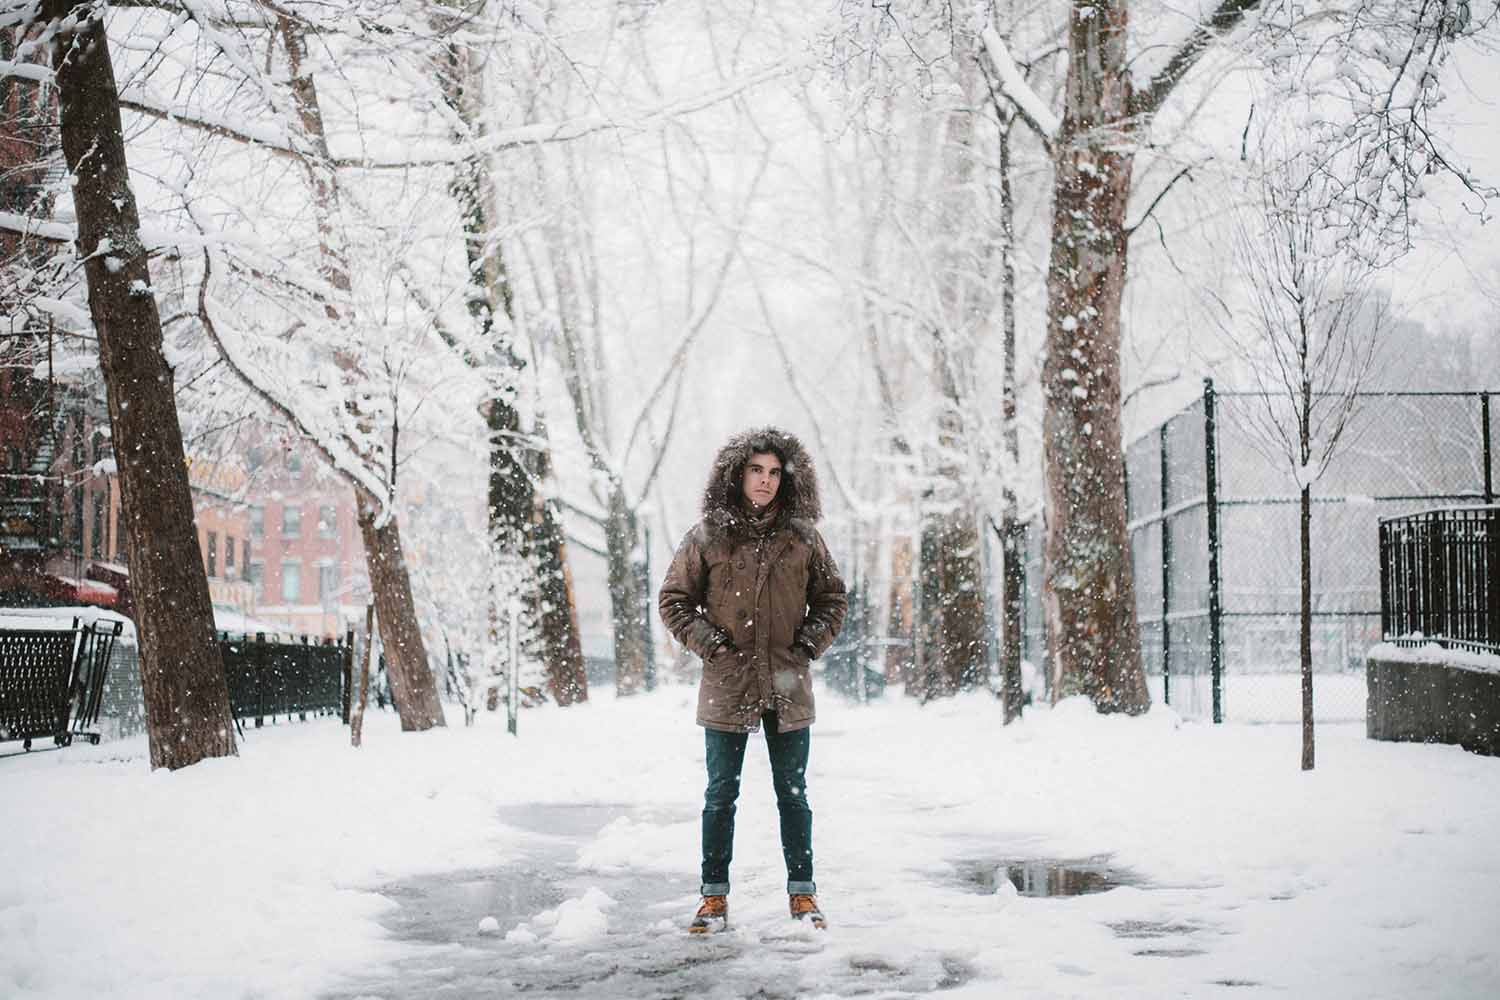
(52, 680)
(269, 679)
(1440, 578)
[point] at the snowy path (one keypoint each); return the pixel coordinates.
(304, 869)
(645, 952)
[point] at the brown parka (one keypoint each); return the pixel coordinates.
(777, 597)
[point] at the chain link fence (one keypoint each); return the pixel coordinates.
(1213, 517)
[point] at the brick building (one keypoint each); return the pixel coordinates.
(223, 521)
(307, 561)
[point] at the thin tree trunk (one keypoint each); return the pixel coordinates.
(900, 660)
(413, 687)
(627, 604)
(1305, 643)
(182, 670)
(357, 721)
(1089, 588)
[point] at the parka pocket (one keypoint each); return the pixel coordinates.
(722, 669)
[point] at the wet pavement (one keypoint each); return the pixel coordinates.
(644, 952)
(633, 944)
(1045, 877)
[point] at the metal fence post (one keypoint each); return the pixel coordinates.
(1215, 612)
(1166, 576)
(259, 687)
(347, 679)
(1489, 454)
(1491, 577)
(1385, 580)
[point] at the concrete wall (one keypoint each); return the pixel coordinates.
(1432, 695)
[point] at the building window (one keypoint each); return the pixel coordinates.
(291, 582)
(328, 584)
(245, 553)
(328, 521)
(255, 573)
(294, 465)
(213, 554)
(257, 522)
(291, 521)
(228, 556)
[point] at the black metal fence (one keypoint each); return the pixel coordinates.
(52, 680)
(1213, 519)
(270, 679)
(1440, 578)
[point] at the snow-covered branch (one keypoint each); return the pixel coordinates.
(1225, 18)
(270, 137)
(35, 72)
(641, 120)
(343, 459)
(41, 229)
(1033, 110)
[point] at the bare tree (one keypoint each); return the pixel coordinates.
(182, 672)
(1314, 320)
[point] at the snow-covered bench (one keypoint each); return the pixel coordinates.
(52, 674)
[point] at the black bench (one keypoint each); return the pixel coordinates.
(52, 680)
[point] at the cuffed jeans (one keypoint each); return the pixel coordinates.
(726, 759)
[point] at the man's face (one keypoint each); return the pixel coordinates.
(762, 478)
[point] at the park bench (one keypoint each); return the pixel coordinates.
(52, 679)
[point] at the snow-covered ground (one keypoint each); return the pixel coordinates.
(307, 869)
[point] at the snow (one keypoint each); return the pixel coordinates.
(63, 617)
(275, 873)
(1014, 85)
(1433, 652)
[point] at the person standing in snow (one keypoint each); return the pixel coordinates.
(755, 593)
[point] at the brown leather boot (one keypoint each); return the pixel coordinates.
(712, 915)
(804, 906)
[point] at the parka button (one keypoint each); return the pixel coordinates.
(740, 564)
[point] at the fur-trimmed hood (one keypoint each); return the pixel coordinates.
(797, 498)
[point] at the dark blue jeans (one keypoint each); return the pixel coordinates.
(726, 759)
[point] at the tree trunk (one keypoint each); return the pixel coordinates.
(413, 688)
(522, 524)
(1089, 589)
(1305, 636)
(182, 671)
(900, 659)
(626, 599)
(357, 717)
(963, 642)
(557, 612)
(954, 594)
(1012, 531)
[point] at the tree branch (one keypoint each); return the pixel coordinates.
(353, 472)
(39, 229)
(1186, 171)
(1225, 18)
(1029, 104)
